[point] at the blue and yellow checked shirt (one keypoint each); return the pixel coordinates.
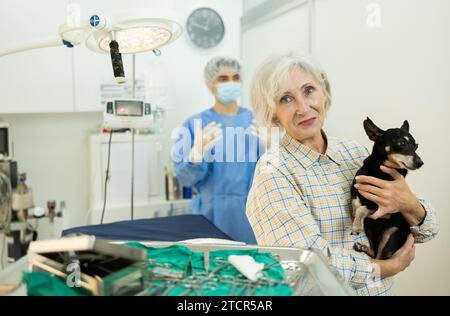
(301, 198)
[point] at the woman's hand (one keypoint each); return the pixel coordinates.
(391, 196)
(399, 261)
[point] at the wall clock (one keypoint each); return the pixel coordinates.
(205, 28)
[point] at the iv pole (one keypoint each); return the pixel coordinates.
(157, 52)
(133, 95)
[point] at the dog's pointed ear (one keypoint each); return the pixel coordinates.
(405, 126)
(372, 130)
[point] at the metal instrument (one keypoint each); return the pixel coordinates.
(306, 273)
(103, 268)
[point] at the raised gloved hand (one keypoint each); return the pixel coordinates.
(204, 140)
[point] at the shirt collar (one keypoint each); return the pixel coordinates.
(307, 156)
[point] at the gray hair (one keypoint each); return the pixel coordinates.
(272, 76)
(215, 65)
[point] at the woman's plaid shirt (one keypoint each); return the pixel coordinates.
(300, 198)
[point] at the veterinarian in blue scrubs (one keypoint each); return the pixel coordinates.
(221, 154)
(305, 201)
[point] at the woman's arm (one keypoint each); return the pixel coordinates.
(428, 228)
(401, 259)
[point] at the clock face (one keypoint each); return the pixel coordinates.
(205, 28)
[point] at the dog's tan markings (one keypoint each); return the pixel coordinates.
(355, 204)
(388, 149)
(399, 161)
(392, 161)
(358, 223)
(384, 239)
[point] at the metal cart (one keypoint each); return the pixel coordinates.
(313, 276)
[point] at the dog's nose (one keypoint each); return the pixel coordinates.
(419, 162)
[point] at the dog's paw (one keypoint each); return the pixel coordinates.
(360, 247)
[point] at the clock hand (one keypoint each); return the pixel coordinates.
(207, 23)
(199, 26)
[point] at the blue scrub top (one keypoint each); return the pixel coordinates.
(222, 181)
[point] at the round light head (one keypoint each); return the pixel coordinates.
(138, 39)
(135, 31)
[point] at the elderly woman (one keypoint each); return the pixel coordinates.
(300, 196)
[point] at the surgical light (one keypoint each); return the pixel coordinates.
(126, 32)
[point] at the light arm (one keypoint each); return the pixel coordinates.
(51, 42)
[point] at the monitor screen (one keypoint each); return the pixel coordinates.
(4, 141)
(128, 108)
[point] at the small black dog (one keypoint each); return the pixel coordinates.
(394, 148)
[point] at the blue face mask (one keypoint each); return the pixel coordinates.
(229, 92)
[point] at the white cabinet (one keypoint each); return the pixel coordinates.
(38, 80)
(148, 175)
